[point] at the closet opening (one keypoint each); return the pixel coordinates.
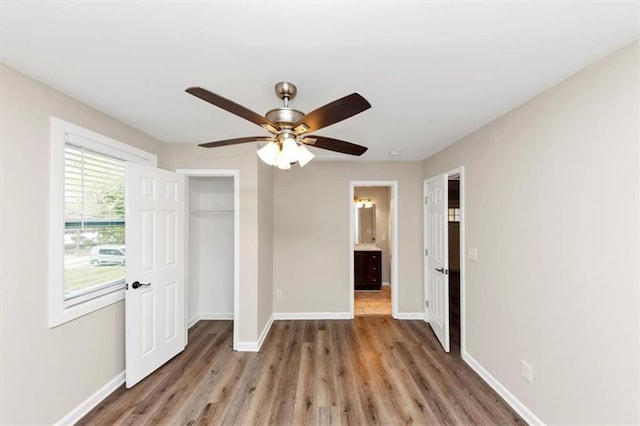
(212, 246)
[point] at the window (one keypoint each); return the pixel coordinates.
(93, 218)
(87, 230)
(454, 215)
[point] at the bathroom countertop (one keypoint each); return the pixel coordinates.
(366, 247)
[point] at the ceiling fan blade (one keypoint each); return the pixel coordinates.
(331, 113)
(334, 145)
(232, 107)
(236, 141)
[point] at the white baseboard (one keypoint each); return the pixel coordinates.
(265, 332)
(386, 284)
(312, 315)
(510, 398)
(217, 316)
(410, 316)
(90, 403)
(197, 318)
(246, 346)
(255, 346)
(193, 321)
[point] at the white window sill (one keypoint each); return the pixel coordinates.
(76, 311)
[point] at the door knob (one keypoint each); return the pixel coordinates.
(138, 284)
(442, 270)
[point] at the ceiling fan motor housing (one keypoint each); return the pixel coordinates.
(285, 117)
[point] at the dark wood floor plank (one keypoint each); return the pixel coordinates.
(283, 390)
(453, 381)
(371, 370)
(218, 376)
(305, 404)
(350, 408)
(384, 392)
(184, 388)
(241, 398)
(269, 373)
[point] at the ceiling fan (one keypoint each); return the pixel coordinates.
(289, 127)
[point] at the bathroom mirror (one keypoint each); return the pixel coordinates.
(366, 228)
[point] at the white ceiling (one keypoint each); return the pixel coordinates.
(433, 71)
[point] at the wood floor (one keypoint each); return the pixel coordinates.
(372, 370)
(372, 303)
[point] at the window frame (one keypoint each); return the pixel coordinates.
(62, 132)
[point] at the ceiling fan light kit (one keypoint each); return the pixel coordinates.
(288, 127)
(283, 153)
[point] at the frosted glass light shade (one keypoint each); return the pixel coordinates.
(290, 150)
(282, 163)
(269, 153)
(305, 155)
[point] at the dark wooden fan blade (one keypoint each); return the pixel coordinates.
(336, 145)
(230, 106)
(236, 141)
(332, 113)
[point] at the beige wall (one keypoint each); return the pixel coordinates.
(311, 234)
(381, 198)
(241, 157)
(552, 207)
(265, 242)
(45, 372)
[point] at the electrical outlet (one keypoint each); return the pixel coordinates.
(472, 254)
(279, 294)
(526, 371)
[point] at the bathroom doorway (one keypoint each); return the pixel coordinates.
(373, 247)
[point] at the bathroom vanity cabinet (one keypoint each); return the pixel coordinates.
(368, 269)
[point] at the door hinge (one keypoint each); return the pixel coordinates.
(426, 252)
(426, 303)
(426, 200)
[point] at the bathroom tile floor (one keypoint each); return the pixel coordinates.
(373, 303)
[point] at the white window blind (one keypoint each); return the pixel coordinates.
(94, 219)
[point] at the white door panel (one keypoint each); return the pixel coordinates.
(437, 262)
(155, 223)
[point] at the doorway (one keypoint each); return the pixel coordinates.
(212, 246)
(373, 248)
(453, 218)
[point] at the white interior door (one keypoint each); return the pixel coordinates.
(437, 257)
(155, 325)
